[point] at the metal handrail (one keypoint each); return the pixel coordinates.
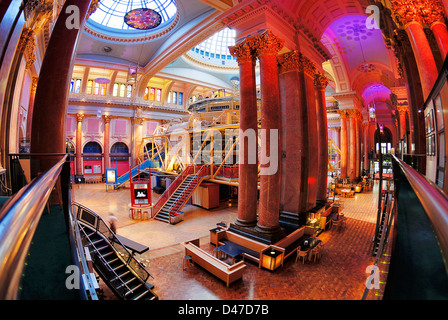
(434, 202)
(98, 221)
(19, 218)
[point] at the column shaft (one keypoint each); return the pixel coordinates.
(322, 135)
(343, 141)
(423, 55)
(441, 34)
(50, 105)
(248, 148)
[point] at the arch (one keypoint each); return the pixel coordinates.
(119, 157)
(92, 158)
(385, 136)
(119, 148)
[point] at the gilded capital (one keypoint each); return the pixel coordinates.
(80, 117)
(295, 61)
(343, 113)
(107, 118)
(402, 109)
(320, 81)
(268, 44)
(425, 12)
(243, 51)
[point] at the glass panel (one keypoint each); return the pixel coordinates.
(77, 85)
(111, 13)
(439, 112)
(115, 91)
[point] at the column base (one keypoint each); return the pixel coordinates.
(255, 234)
(245, 224)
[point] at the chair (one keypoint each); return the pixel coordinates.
(335, 224)
(313, 254)
(320, 249)
(301, 254)
(188, 261)
(342, 220)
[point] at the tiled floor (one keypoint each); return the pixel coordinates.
(339, 275)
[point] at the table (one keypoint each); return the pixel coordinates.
(345, 192)
(312, 242)
(230, 250)
(135, 247)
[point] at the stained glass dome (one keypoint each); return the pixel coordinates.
(134, 14)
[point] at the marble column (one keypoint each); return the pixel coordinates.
(343, 141)
(137, 124)
(320, 83)
(408, 15)
(106, 119)
(78, 171)
(441, 35)
(402, 110)
(268, 46)
(50, 104)
(248, 148)
(352, 147)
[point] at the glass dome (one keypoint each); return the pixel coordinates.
(215, 49)
(118, 14)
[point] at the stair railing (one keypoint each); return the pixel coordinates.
(171, 189)
(87, 216)
(105, 263)
(199, 176)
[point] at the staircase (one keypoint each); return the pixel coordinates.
(132, 173)
(115, 272)
(168, 207)
(384, 223)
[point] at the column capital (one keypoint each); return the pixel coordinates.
(320, 81)
(94, 4)
(107, 118)
(244, 51)
(343, 113)
(402, 109)
(268, 44)
(295, 61)
(425, 12)
(80, 117)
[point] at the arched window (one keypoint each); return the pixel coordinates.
(119, 148)
(92, 148)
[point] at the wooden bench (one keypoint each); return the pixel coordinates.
(252, 249)
(292, 240)
(220, 269)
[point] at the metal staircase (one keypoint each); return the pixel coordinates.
(117, 267)
(168, 207)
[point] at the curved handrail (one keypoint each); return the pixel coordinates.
(99, 224)
(19, 218)
(433, 201)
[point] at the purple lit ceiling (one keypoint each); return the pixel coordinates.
(376, 92)
(361, 46)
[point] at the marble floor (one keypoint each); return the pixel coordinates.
(339, 275)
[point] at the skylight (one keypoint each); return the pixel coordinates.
(216, 48)
(112, 13)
